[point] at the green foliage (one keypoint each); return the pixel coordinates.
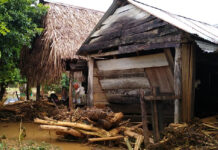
(19, 23)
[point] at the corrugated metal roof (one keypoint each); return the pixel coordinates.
(202, 30)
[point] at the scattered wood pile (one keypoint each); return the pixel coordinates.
(95, 125)
(27, 110)
(199, 134)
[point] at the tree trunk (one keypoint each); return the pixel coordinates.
(2, 90)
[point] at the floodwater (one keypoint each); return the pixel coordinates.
(34, 133)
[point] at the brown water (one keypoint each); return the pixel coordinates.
(34, 133)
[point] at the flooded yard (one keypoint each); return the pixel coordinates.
(34, 133)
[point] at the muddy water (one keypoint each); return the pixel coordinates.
(34, 133)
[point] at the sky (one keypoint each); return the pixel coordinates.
(202, 10)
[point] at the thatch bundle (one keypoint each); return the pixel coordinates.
(65, 29)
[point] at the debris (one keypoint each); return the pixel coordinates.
(196, 135)
(94, 125)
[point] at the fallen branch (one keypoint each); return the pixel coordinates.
(105, 139)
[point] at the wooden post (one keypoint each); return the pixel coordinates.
(70, 92)
(144, 118)
(188, 81)
(177, 82)
(155, 124)
(90, 82)
(38, 91)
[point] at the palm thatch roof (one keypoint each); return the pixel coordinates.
(65, 29)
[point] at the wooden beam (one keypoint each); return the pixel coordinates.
(110, 53)
(90, 81)
(70, 91)
(188, 80)
(177, 82)
(169, 58)
(155, 123)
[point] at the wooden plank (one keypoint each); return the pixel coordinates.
(177, 82)
(139, 36)
(125, 83)
(126, 108)
(150, 44)
(111, 74)
(154, 60)
(122, 16)
(122, 99)
(169, 58)
(86, 48)
(90, 81)
(127, 92)
(139, 21)
(124, 8)
(144, 27)
(114, 30)
(110, 53)
(98, 93)
(188, 80)
(161, 77)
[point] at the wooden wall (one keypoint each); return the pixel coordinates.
(117, 81)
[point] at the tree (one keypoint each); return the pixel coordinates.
(20, 22)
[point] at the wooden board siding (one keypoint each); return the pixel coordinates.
(161, 77)
(188, 80)
(154, 60)
(130, 26)
(99, 97)
(125, 83)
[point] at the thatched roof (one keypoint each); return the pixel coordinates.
(65, 29)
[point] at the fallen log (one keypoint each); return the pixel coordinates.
(73, 124)
(105, 139)
(62, 129)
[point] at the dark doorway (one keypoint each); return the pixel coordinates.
(206, 85)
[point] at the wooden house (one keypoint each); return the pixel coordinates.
(170, 58)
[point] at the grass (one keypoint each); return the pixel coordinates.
(6, 144)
